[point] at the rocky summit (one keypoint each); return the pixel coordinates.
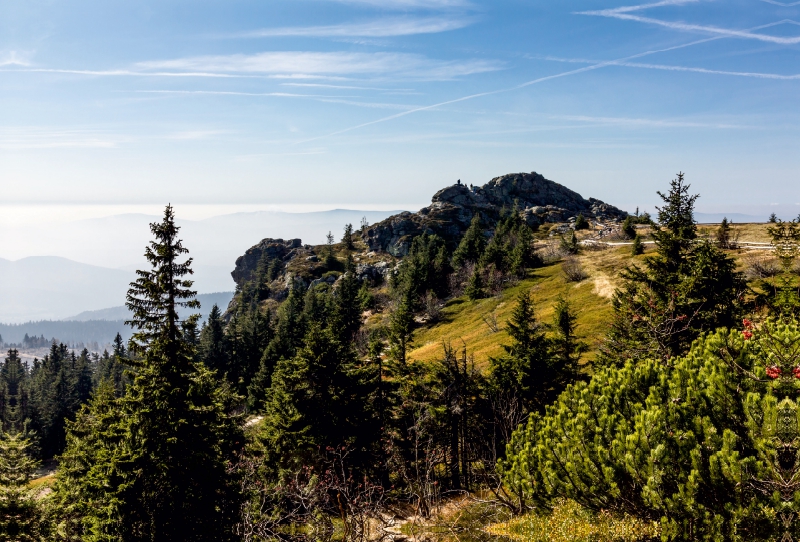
(539, 200)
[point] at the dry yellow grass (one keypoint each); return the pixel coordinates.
(464, 322)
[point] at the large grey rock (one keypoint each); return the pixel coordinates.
(451, 210)
(279, 249)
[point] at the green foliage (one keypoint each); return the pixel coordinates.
(289, 330)
(570, 243)
(723, 233)
(773, 218)
(781, 294)
(581, 223)
(472, 245)
(401, 330)
(475, 289)
(15, 408)
(347, 309)
(159, 471)
(510, 250)
(628, 227)
(247, 335)
(114, 367)
(347, 238)
(330, 260)
(58, 385)
(638, 247)
(529, 371)
(565, 348)
(425, 268)
(315, 400)
(20, 512)
(366, 299)
(83, 502)
(687, 288)
(213, 348)
(705, 444)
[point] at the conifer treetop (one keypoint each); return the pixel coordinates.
(154, 297)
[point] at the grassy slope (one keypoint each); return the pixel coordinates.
(462, 320)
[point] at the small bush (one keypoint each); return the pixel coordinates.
(628, 228)
(638, 246)
(431, 306)
(760, 266)
(570, 244)
(573, 270)
(581, 223)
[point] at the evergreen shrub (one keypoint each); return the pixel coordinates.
(706, 444)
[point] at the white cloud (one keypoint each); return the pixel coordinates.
(625, 14)
(14, 58)
(657, 123)
(348, 87)
(303, 63)
(782, 4)
(674, 68)
(380, 28)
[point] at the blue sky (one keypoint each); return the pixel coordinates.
(376, 103)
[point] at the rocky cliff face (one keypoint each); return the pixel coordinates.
(279, 249)
(538, 199)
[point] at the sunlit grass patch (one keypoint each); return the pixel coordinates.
(42, 482)
(568, 522)
(480, 325)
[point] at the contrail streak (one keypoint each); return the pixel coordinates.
(540, 79)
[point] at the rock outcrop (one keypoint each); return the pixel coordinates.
(275, 249)
(539, 200)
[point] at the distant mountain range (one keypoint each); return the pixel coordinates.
(99, 325)
(50, 288)
(57, 286)
(221, 299)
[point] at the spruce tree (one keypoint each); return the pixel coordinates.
(284, 339)
(213, 347)
(347, 311)
(689, 286)
(628, 227)
(310, 404)
(638, 247)
(565, 347)
(472, 245)
(14, 393)
(113, 367)
(21, 514)
(723, 233)
(526, 371)
(347, 238)
(401, 331)
(331, 262)
(164, 465)
(474, 289)
(570, 244)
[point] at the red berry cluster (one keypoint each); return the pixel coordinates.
(748, 326)
(774, 371)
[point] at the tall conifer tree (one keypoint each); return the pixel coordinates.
(162, 466)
